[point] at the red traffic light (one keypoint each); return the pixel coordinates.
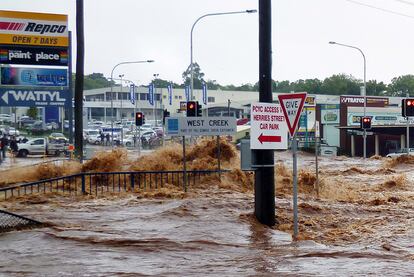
(191, 106)
(366, 119)
(139, 115)
(410, 103)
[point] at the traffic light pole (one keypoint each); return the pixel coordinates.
(264, 186)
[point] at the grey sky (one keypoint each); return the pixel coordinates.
(226, 47)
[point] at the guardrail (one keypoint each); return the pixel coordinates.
(94, 183)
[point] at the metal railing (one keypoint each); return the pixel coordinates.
(94, 183)
(10, 221)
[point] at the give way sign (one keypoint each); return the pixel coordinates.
(292, 105)
(268, 127)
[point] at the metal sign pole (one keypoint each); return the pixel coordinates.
(316, 165)
(317, 138)
(295, 188)
(185, 166)
(218, 157)
(139, 140)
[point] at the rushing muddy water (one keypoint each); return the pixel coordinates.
(361, 224)
(210, 234)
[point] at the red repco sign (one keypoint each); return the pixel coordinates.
(358, 101)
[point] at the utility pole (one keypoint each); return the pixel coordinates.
(228, 107)
(264, 186)
(80, 58)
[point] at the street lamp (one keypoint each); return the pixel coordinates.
(191, 41)
(155, 98)
(112, 98)
(364, 90)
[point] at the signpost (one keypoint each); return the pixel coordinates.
(317, 138)
(292, 105)
(200, 126)
(268, 128)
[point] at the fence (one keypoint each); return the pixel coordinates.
(11, 221)
(94, 183)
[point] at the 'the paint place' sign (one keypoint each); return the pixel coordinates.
(268, 127)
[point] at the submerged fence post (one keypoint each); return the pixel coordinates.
(83, 184)
(132, 181)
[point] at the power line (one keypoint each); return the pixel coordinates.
(381, 9)
(405, 2)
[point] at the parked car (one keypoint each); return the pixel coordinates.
(52, 126)
(37, 127)
(58, 137)
(6, 118)
(13, 131)
(400, 152)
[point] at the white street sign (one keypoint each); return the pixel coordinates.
(292, 105)
(268, 127)
(201, 126)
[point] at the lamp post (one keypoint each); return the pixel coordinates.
(191, 42)
(154, 107)
(112, 98)
(364, 90)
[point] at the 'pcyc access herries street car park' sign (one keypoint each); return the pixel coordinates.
(268, 127)
(201, 126)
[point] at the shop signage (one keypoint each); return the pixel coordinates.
(32, 55)
(27, 28)
(25, 76)
(33, 98)
(358, 101)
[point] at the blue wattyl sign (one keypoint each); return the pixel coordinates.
(34, 98)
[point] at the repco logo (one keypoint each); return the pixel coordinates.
(44, 28)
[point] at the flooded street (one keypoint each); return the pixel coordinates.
(209, 234)
(361, 224)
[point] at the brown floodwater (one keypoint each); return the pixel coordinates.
(362, 223)
(212, 233)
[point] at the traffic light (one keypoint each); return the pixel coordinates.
(165, 114)
(139, 119)
(191, 108)
(199, 110)
(365, 122)
(407, 107)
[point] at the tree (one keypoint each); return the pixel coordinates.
(198, 76)
(311, 86)
(403, 84)
(375, 88)
(94, 80)
(341, 84)
(32, 112)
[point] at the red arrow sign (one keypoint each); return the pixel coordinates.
(262, 138)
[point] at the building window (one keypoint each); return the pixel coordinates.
(164, 97)
(180, 97)
(211, 99)
(143, 96)
(176, 97)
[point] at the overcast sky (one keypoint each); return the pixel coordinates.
(226, 47)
